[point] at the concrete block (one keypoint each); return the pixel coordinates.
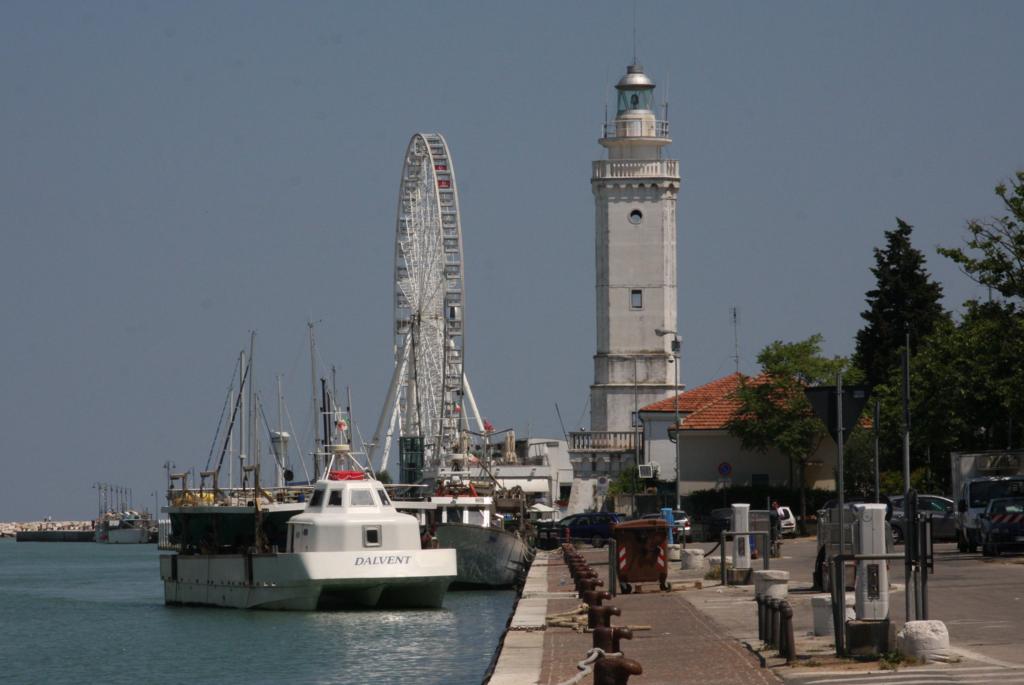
(772, 584)
(821, 608)
(870, 638)
(693, 560)
(924, 641)
(673, 552)
(739, 576)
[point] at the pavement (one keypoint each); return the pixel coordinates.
(709, 634)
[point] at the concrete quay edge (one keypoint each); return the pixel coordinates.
(522, 649)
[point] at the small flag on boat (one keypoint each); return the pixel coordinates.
(488, 426)
(341, 422)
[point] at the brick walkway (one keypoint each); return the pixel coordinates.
(682, 646)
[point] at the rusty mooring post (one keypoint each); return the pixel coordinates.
(595, 597)
(602, 616)
(615, 670)
(609, 639)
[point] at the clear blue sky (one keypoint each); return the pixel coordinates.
(176, 174)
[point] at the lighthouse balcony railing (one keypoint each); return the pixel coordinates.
(603, 441)
(635, 128)
(636, 168)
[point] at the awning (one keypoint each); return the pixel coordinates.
(542, 508)
(532, 485)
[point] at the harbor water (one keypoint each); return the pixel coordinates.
(91, 613)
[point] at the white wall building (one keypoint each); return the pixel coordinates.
(705, 445)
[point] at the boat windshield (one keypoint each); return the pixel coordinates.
(360, 497)
(335, 500)
(383, 497)
(318, 498)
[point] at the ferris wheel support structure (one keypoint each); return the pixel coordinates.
(429, 385)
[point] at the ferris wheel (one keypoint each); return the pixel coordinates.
(429, 386)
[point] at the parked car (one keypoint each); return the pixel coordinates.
(1002, 526)
(941, 510)
(593, 527)
(682, 523)
(787, 521)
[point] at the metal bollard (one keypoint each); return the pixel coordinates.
(608, 638)
(776, 622)
(781, 637)
(588, 585)
(787, 646)
(615, 670)
(760, 617)
(594, 598)
(584, 584)
(602, 616)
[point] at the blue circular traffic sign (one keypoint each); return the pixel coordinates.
(725, 469)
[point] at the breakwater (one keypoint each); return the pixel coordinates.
(10, 529)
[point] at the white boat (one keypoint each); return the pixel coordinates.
(124, 528)
(348, 548)
(489, 555)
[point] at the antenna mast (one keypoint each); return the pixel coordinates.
(634, 31)
(735, 313)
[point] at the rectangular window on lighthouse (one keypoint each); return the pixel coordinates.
(636, 299)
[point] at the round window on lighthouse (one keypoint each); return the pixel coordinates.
(635, 217)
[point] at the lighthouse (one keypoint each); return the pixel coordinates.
(635, 191)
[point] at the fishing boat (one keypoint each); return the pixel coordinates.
(492, 547)
(124, 528)
(489, 532)
(333, 543)
(348, 547)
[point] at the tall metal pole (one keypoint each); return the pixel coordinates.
(876, 420)
(676, 349)
(909, 539)
(636, 417)
(841, 575)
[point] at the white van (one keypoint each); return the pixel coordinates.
(787, 522)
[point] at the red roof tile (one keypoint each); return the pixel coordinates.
(708, 407)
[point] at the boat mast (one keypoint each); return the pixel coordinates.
(252, 404)
(312, 385)
(243, 417)
(282, 458)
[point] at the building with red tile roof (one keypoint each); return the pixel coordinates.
(708, 455)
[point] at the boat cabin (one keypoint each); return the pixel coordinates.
(351, 515)
(473, 511)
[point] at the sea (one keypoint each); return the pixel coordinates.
(92, 613)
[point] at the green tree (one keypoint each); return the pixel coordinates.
(775, 414)
(1000, 240)
(905, 299)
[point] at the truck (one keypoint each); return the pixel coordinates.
(978, 478)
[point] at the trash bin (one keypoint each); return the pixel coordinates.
(641, 547)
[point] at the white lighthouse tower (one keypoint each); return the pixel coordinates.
(635, 193)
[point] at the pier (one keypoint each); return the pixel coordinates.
(673, 640)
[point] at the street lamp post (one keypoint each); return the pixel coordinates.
(679, 463)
